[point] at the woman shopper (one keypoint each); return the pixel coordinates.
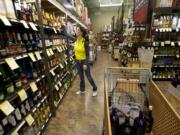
(81, 49)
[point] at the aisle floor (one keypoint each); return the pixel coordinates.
(82, 114)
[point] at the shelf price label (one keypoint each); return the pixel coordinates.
(56, 87)
(52, 72)
(31, 55)
(55, 31)
(172, 44)
(33, 87)
(38, 55)
(51, 51)
(24, 24)
(48, 53)
(33, 26)
(22, 94)
(14, 133)
(162, 43)
(61, 65)
(58, 49)
(11, 63)
(178, 43)
(5, 20)
(6, 108)
(59, 83)
(29, 119)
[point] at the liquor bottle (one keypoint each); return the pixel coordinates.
(17, 46)
(29, 13)
(8, 42)
(34, 13)
(17, 6)
(149, 120)
(139, 124)
(20, 42)
(23, 12)
(2, 46)
(27, 42)
(2, 78)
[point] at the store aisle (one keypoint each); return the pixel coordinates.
(82, 114)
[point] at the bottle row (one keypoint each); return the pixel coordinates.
(27, 11)
(14, 42)
(167, 22)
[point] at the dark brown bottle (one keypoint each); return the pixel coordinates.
(2, 46)
(17, 7)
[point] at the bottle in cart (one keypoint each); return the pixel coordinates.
(149, 120)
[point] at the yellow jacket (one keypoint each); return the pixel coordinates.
(79, 49)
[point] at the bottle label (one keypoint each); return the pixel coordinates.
(17, 6)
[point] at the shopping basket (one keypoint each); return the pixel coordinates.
(166, 119)
(127, 90)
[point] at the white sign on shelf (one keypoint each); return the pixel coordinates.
(5, 20)
(33, 26)
(24, 24)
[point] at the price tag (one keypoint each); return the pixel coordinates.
(48, 53)
(22, 94)
(56, 87)
(51, 51)
(55, 31)
(29, 119)
(178, 43)
(5, 20)
(172, 44)
(59, 84)
(52, 72)
(31, 55)
(155, 56)
(61, 65)
(14, 133)
(58, 49)
(65, 62)
(162, 43)
(177, 30)
(170, 29)
(11, 63)
(38, 56)
(33, 26)
(33, 87)
(177, 55)
(156, 30)
(6, 108)
(167, 42)
(24, 24)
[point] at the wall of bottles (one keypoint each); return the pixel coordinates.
(166, 43)
(25, 99)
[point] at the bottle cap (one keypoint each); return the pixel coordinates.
(150, 107)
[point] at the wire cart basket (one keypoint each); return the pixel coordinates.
(137, 87)
(127, 89)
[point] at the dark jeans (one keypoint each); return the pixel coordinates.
(79, 65)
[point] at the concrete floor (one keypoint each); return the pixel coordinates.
(82, 114)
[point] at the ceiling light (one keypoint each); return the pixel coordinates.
(111, 5)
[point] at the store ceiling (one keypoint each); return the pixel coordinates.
(94, 4)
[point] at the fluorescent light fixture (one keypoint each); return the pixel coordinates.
(111, 5)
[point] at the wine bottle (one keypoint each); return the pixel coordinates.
(20, 42)
(2, 46)
(149, 120)
(29, 13)
(2, 88)
(27, 42)
(17, 6)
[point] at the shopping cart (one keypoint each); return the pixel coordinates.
(127, 90)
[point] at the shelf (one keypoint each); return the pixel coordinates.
(163, 30)
(19, 126)
(167, 10)
(163, 55)
(59, 6)
(166, 66)
(44, 125)
(26, 87)
(18, 57)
